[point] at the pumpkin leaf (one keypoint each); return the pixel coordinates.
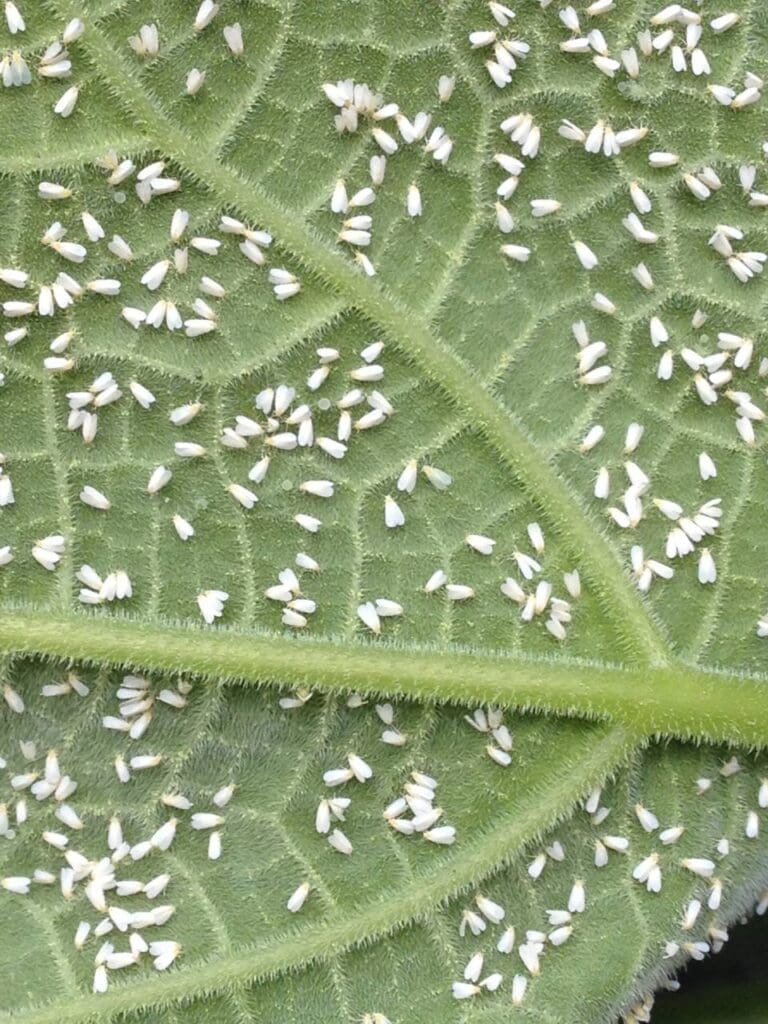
(382, 351)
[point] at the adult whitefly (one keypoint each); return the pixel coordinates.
(211, 604)
(437, 580)
(670, 835)
(500, 756)
(155, 275)
(158, 479)
(143, 395)
(243, 495)
(307, 522)
(298, 898)
(387, 608)
(577, 898)
(479, 543)
(339, 842)
(518, 253)
(519, 987)
(369, 616)
(464, 989)
(164, 952)
(13, 699)
(204, 820)
(701, 866)
(647, 818)
(491, 910)
(443, 835)
(537, 865)
(360, 768)
(707, 571)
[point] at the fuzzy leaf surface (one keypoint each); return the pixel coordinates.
(479, 368)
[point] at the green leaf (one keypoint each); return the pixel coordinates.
(479, 380)
(395, 897)
(506, 430)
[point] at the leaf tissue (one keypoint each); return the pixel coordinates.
(382, 506)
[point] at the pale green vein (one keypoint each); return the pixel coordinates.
(675, 700)
(74, 156)
(474, 859)
(635, 630)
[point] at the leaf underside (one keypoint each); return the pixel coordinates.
(479, 367)
(396, 900)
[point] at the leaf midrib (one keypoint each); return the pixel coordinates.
(680, 700)
(475, 858)
(636, 632)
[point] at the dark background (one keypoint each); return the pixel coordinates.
(730, 988)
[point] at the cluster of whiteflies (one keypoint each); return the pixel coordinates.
(524, 132)
(712, 375)
(414, 812)
(47, 551)
(286, 428)
(54, 63)
(713, 372)
(487, 912)
(534, 602)
(204, 320)
(750, 93)
(680, 32)
(371, 613)
(602, 137)
(102, 874)
(356, 100)
(589, 369)
(410, 813)
(151, 182)
(83, 416)
(284, 424)
(675, 30)
(287, 425)
(531, 951)
(490, 722)
(506, 52)
(287, 591)
(65, 290)
(137, 707)
(115, 586)
(335, 809)
(704, 182)
(536, 946)
(744, 264)
(146, 43)
(688, 531)
(417, 799)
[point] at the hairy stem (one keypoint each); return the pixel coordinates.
(678, 700)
